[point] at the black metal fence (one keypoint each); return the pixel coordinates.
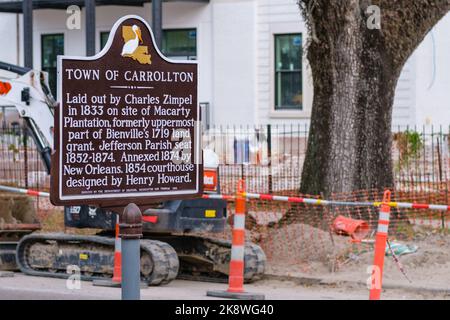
(20, 162)
(268, 157)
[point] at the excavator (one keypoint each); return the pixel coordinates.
(176, 243)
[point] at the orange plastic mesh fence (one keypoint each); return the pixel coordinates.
(299, 238)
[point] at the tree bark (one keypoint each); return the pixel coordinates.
(355, 72)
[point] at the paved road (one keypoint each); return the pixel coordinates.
(27, 287)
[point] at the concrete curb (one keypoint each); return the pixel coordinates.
(310, 281)
(109, 283)
(306, 281)
(236, 295)
(6, 274)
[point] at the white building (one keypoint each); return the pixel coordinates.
(249, 54)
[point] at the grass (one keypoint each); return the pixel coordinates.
(404, 230)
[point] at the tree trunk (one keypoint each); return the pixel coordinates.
(355, 71)
(349, 140)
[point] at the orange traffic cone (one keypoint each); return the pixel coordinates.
(380, 248)
(116, 280)
(117, 273)
(236, 273)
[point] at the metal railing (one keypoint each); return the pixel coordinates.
(269, 158)
(20, 162)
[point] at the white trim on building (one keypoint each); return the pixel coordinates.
(236, 55)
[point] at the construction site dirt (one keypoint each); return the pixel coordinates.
(305, 257)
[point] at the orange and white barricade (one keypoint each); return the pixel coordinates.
(117, 272)
(237, 263)
(116, 280)
(380, 248)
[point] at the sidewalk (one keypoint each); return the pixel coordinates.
(27, 287)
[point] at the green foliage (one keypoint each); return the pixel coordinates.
(403, 230)
(409, 144)
(12, 147)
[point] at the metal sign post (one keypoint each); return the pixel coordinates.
(130, 233)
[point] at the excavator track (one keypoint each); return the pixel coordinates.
(162, 260)
(49, 255)
(207, 259)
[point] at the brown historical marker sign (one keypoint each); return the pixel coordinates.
(127, 128)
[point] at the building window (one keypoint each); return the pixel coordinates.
(103, 39)
(180, 44)
(52, 45)
(288, 72)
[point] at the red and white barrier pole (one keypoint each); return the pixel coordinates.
(25, 191)
(269, 197)
(322, 202)
(380, 248)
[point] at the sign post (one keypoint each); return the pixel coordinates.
(127, 130)
(130, 232)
